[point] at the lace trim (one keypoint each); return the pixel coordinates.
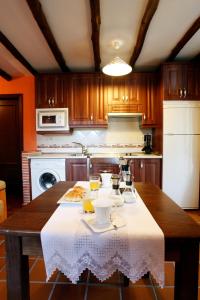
(102, 272)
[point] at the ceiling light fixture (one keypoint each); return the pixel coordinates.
(117, 67)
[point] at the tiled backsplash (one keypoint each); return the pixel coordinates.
(121, 132)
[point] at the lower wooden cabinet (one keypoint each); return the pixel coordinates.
(146, 170)
(76, 169)
(99, 165)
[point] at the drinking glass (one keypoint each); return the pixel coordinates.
(94, 183)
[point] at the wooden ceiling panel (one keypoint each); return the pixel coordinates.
(70, 23)
(120, 20)
(170, 22)
(10, 64)
(19, 26)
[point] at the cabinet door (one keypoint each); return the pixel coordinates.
(181, 81)
(172, 81)
(76, 169)
(135, 88)
(116, 91)
(125, 94)
(151, 171)
(99, 165)
(191, 87)
(149, 118)
(98, 102)
(80, 112)
(51, 91)
(147, 170)
(135, 170)
(87, 105)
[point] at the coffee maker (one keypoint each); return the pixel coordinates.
(147, 144)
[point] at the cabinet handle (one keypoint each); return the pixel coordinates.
(141, 165)
(181, 93)
(106, 117)
(49, 101)
(90, 165)
(91, 117)
(144, 117)
(52, 101)
(126, 98)
(184, 92)
(123, 98)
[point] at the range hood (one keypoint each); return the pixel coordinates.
(124, 115)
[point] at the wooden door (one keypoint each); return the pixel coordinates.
(11, 134)
(76, 169)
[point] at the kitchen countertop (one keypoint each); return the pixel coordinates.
(40, 155)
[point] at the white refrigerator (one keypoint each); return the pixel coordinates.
(181, 152)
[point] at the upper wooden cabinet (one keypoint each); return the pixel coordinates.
(51, 91)
(90, 96)
(151, 114)
(125, 94)
(181, 81)
(87, 106)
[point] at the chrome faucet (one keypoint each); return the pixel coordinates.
(83, 148)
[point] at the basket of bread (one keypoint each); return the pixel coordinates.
(76, 194)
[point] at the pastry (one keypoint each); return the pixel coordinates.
(75, 194)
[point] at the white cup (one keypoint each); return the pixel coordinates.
(106, 179)
(102, 209)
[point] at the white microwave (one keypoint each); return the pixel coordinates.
(52, 119)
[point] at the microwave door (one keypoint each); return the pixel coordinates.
(48, 120)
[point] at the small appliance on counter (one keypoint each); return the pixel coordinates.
(147, 144)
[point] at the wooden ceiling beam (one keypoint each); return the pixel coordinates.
(95, 21)
(39, 16)
(11, 48)
(148, 15)
(5, 75)
(187, 36)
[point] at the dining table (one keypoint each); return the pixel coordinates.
(22, 232)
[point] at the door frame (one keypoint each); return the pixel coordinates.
(19, 98)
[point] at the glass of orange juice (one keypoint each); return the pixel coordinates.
(94, 183)
(87, 203)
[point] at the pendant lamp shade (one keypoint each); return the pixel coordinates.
(117, 67)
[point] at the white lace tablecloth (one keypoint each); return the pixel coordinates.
(70, 246)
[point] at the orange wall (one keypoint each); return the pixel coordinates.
(26, 87)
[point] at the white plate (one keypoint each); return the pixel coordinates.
(90, 220)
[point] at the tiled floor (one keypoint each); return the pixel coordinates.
(89, 288)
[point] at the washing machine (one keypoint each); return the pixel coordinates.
(45, 172)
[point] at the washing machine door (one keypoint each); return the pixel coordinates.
(47, 179)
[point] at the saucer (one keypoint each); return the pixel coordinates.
(96, 227)
(90, 220)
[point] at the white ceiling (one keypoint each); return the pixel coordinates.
(70, 23)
